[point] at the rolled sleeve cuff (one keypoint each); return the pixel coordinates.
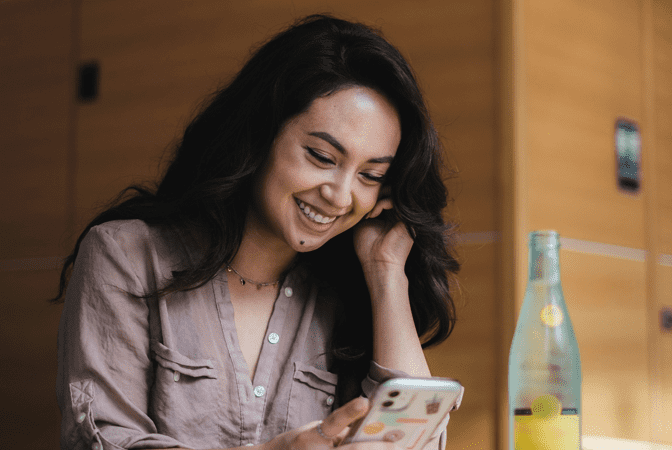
(81, 430)
(377, 375)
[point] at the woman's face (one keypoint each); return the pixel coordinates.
(325, 169)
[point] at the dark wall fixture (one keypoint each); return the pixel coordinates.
(88, 82)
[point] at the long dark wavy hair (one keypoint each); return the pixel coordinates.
(205, 191)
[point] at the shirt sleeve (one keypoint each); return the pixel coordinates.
(379, 374)
(104, 368)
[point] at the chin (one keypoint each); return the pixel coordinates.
(307, 246)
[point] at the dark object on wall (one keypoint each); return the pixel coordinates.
(628, 155)
(666, 319)
(88, 82)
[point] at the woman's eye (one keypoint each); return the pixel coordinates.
(321, 158)
(378, 179)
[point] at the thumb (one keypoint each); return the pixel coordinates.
(338, 420)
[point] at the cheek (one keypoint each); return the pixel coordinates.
(367, 201)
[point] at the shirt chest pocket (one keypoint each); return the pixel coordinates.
(312, 396)
(186, 392)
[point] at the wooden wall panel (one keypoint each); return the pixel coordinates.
(606, 298)
(583, 70)
(661, 228)
(662, 76)
(661, 401)
(469, 355)
(36, 95)
(28, 328)
(36, 91)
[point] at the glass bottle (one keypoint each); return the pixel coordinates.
(544, 362)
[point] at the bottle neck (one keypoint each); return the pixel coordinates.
(544, 265)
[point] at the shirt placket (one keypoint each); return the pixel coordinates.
(254, 395)
(266, 366)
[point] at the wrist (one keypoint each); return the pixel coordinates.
(383, 271)
(386, 285)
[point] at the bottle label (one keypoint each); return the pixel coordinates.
(547, 426)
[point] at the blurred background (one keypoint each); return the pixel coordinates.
(526, 95)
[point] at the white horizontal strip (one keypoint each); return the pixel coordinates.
(598, 248)
(571, 244)
(665, 260)
(607, 443)
(485, 237)
(9, 265)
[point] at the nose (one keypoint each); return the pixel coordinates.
(338, 193)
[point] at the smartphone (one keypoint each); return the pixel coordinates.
(407, 411)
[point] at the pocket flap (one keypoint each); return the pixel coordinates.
(173, 360)
(316, 378)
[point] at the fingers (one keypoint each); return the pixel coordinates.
(380, 206)
(384, 202)
(339, 420)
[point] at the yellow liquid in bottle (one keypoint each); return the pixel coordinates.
(546, 426)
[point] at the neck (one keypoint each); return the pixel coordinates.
(260, 260)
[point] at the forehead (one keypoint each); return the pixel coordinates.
(360, 118)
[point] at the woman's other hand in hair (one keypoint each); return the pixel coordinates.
(382, 242)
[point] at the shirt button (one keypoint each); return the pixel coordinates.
(259, 391)
(330, 400)
(273, 338)
(81, 417)
(288, 292)
(176, 376)
(249, 444)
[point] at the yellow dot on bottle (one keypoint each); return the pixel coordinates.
(373, 428)
(551, 315)
(546, 407)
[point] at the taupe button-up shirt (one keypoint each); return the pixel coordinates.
(169, 372)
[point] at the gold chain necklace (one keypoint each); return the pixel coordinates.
(244, 281)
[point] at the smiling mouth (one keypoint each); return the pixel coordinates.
(312, 215)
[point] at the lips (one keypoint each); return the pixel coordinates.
(313, 215)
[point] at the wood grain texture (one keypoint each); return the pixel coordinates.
(28, 330)
(36, 92)
(583, 71)
(470, 354)
(662, 76)
(661, 399)
(606, 301)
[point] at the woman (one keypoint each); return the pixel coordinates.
(286, 264)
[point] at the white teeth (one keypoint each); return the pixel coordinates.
(319, 218)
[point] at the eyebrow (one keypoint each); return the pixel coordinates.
(337, 145)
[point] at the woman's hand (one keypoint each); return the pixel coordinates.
(382, 246)
(335, 427)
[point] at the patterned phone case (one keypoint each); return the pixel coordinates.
(407, 411)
